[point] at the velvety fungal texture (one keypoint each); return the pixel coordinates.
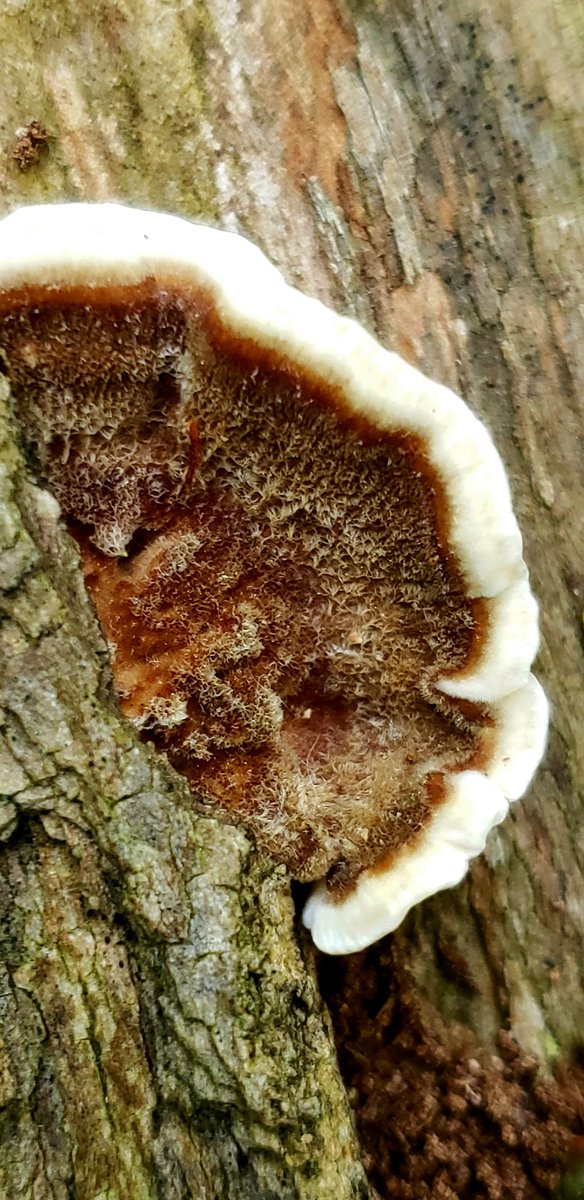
(271, 572)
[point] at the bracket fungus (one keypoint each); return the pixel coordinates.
(301, 551)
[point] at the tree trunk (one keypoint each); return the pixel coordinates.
(416, 164)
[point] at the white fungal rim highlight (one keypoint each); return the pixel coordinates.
(381, 899)
(510, 645)
(519, 737)
(106, 245)
(476, 802)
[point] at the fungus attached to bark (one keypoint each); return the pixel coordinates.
(302, 552)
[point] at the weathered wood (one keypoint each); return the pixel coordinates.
(418, 165)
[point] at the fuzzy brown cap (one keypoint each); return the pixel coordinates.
(298, 614)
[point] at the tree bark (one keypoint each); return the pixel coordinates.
(416, 164)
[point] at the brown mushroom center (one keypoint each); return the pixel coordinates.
(272, 574)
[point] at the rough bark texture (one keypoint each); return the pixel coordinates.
(418, 165)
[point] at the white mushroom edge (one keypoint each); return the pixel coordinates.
(106, 244)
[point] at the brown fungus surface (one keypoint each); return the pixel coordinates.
(271, 572)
